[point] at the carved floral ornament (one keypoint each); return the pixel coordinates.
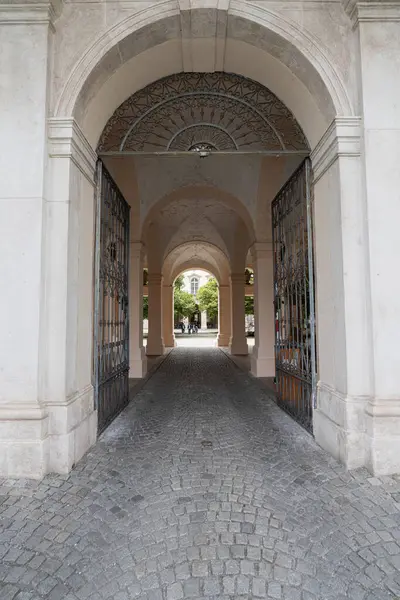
(202, 112)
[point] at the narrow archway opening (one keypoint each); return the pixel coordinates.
(196, 309)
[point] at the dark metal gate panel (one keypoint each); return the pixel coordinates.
(111, 325)
(295, 355)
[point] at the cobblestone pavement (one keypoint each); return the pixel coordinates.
(202, 488)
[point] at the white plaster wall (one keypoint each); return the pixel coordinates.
(22, 197)
(380, 65)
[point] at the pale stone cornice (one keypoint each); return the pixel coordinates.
(371, 11)
(383, 408)
(26, 12)
(66, 140)
(341, 139)
(22, 412)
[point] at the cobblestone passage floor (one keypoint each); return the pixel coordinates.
(202, 488)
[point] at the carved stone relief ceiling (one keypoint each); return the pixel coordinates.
(202, 112)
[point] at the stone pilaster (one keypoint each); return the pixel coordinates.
(155, 341)
(168, 316)
(224, 315)
(263, 356)
(238, 342)
(137, 355)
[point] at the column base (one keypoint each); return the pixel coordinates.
(155, 350)
(36, 440)
(24, 441)
(339, 426)
(170, 342)
(262, 366)
(138, 365)
(238, 347)
(383, 437)
(72, 430)
(223, 340)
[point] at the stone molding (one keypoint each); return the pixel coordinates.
(136, 249)
(22, 412)
(383, 408)
(154, 279)
(269, 17)
(237, 278)
(186, 9)
(372, 11)
(66, 140)
(342, 139)
(25, 13)
(261, 250)
(308, 44)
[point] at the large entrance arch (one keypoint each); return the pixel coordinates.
(94, 73)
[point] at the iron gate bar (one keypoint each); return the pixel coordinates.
(310, 238)
(295, 355)
(111, 315)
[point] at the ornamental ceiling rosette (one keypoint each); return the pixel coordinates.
(213, 112)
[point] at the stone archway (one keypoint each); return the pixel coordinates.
(210, 258)
(95, 71)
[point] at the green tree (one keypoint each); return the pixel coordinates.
(179, 282)
(184, 304)
(249, 305)
(207, 297)
(145, 307)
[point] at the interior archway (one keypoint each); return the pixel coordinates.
(197, 255)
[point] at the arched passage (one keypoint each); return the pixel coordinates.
(255, 43)
(208, 257)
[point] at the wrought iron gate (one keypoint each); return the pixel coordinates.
(295, 355)
(111, 325)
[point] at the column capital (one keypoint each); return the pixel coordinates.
(155, 279)
(28, 11)
(136, 249)
(237, 278)
(370, 11)
(261, 250)
(342, 139)
(67, 140)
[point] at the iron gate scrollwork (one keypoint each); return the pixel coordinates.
(111, 326)
(295, 355)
